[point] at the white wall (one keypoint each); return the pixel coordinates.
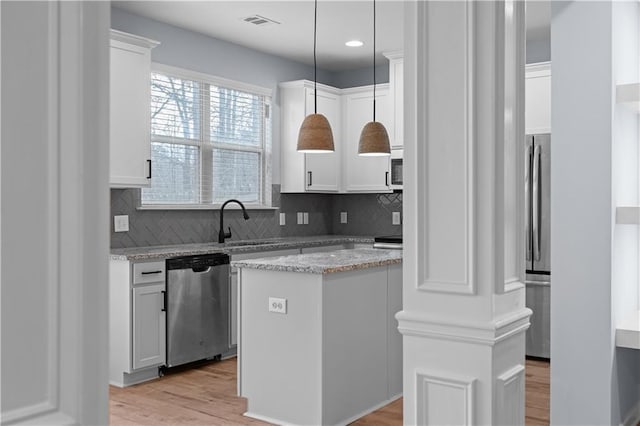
(594, 262)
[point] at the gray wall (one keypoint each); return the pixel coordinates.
(362, 76)
(538, 50)
(368, 214)
(592, 382)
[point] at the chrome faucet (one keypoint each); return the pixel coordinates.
(222, 235)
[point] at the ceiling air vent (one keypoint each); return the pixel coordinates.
(259, 20)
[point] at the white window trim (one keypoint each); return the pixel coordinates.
(216, 81)
(266, 192)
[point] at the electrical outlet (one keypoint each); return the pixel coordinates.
(300, 218)
(283, 219)
(278, 305)
(305, 218)
(121, 223)
(343, 217)
(395, 218)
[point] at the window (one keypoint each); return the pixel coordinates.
(210, 140)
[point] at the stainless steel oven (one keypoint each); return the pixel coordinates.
(396, 169)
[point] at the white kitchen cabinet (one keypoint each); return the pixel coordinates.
(364, 173)
(396, 97)
(137, 321)
(149, 326)
(538, 98)
(308, 172)
(130, 123)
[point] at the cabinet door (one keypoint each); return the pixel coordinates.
(322, 171)
(149, 326)
(364, 174)
(396, 88)
(130, 145)
(537, 102)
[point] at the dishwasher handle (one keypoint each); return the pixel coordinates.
(198, 263)
(201, 269)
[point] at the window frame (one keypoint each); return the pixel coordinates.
(207, 149)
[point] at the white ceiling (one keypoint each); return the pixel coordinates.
(338, 22)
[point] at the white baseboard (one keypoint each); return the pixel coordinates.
(371, 410)
(266, 419)
(130, 379)
(633, 416)
(346, 422)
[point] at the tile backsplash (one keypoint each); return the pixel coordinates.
(368, 214)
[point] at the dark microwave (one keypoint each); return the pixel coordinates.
(396, 169)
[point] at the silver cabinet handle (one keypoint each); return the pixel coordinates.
(310, 178)
(536, 203)
(527, 198)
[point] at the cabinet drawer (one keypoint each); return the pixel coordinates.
(148, 272)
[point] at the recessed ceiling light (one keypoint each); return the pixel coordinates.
(354, 43)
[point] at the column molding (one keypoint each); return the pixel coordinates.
(464, 319)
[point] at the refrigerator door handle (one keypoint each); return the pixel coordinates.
(527, 199)
(536, 203)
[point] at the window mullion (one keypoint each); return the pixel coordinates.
(206, 153)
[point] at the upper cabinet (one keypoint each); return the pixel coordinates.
(308, 172)
(537, 109)
(347, 110)
(396, 98)
(130, 122)
(364, 174)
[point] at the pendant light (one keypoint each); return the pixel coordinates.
(374, 139)
(315, 133)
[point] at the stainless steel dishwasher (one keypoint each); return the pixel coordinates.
(197, 308)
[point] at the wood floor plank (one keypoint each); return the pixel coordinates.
(206, 395)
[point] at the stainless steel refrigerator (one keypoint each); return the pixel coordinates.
(537, 237)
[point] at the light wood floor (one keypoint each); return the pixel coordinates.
(205, 395)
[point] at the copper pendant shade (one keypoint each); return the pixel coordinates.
(374, 139)
(315, 134)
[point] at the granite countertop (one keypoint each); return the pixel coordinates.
(233, 247)
(327, 262)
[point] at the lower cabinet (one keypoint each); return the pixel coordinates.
(137, 315)
(137, 321)
(149, 326)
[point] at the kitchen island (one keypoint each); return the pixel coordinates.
(318, 341)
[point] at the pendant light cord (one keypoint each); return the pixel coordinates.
(374, 60)
(315, 65)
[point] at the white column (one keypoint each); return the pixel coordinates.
(55, 204)
(464, 317)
